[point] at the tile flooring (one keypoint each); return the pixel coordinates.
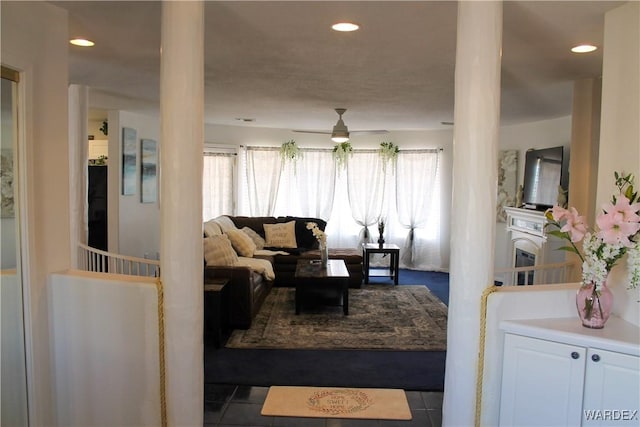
(230, 405)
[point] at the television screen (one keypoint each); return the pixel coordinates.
(542, 177)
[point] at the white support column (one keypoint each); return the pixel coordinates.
(181, 258)
(477, 120)
(78, 113)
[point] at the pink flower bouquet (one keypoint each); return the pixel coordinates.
(617, 235)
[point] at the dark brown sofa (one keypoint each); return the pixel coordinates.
(249, 289)
(284, 266)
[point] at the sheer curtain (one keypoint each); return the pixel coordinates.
(217, 185)
(365, 188)
(314, 182)
(416, 176)
(264, 167)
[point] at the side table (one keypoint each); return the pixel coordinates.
(385, 248)
(217, 313)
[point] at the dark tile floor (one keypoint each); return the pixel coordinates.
(230, 405)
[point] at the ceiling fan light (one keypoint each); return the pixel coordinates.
(340, 138)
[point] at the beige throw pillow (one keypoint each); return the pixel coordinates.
(218, 251)
(211, 228)
(282, 235)
(242, 243)
(257, 239)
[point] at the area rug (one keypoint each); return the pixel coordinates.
(380, 317)
(323, 402)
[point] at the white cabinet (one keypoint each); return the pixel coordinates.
(557, 373)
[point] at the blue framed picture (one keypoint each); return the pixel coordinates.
(148, 171)
(129, 159)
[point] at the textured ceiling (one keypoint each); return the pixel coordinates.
(280, 63)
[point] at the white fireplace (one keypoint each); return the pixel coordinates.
(530, 245)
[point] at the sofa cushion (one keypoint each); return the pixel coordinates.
(253, 222)
(304, 236)
(257, 239)
(242, 243)
(218, 251)
(281, 235)
(225, 223)
(211, 228)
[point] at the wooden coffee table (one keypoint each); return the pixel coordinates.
(312, 276)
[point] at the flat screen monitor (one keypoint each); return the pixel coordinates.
(543, 175)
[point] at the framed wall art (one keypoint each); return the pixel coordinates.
(148, 171)
(129, 160)
(507, 177)
(6, 178)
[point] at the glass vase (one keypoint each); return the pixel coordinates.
(324, 255)
(594, 307)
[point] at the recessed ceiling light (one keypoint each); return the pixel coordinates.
(345, 26)
(81, 42)
(583, 48)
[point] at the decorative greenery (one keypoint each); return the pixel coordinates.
(290, 151)
(105, 128)
(388, 152)
(341, 153)
(100, 161)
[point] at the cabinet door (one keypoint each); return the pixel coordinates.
(542, 383)
(611, 389)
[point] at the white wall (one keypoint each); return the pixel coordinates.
(105, 349)
(542, 134)
(35, 42)
(620, 128)
(135, 225)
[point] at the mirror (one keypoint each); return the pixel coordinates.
(13, 386)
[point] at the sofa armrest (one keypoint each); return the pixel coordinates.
(247, 289)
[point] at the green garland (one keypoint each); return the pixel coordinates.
(341, 153)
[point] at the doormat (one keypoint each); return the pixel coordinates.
(336, 402)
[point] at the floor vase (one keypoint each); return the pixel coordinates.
(594, 306)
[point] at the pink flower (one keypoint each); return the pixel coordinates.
(614, 229)
(619, 222)
(558, 213)
(622, 206)
(575, 224)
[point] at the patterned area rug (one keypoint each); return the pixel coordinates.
(380, 317)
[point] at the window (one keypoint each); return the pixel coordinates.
(218, 184)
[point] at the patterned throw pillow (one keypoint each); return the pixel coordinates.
(282, 235)
(242, 243)
(218, 251)
(257, 239)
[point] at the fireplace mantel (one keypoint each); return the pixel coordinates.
(526, 221)
(530, 244)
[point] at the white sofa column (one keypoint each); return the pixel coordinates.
(477, 117)
(181, 258)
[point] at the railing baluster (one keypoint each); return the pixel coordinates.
(92, 259)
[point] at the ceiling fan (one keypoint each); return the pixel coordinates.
(340, 132)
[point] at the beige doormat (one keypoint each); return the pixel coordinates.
(335, 402)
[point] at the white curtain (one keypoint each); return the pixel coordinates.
(365, 188)
(264, 167)
(308, 186)
(217, 185)
(416, 176)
